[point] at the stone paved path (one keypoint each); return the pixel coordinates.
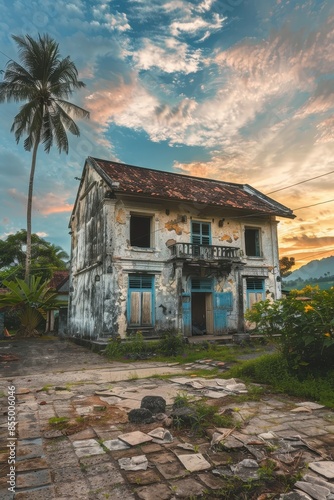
(87, 464)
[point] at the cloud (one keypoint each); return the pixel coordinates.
(303, 241)
(196, 25)
(114, 22)
(49, 203)
(168, 55)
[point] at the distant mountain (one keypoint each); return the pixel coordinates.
(313, 270)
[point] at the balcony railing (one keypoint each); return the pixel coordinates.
(190, 251)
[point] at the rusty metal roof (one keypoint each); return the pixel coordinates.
(58, 279)
(157, 184)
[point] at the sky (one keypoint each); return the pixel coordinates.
(236, 90)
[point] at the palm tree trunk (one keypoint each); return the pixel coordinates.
(29, 210)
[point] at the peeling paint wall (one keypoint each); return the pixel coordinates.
(103, 258)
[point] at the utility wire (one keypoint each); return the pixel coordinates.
(314, 205)
(301, 182)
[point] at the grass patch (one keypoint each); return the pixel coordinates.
(46, 388)
(273, 369)
(199, 415)
(172, 348)
(59, 422)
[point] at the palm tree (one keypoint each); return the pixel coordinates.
(44, 81)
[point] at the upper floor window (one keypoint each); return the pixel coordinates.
(200, 233)
(253, 242)
(140, 231)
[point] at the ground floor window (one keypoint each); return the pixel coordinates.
(255, 290)
(140, 300)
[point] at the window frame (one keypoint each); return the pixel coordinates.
(256, 244)
(255, 293)
(200, 236)
(139, 286)
(151, 232)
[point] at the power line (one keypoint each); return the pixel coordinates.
(6, 56)
(314, 205)
(301, 182)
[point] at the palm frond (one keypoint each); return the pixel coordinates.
(73, 109)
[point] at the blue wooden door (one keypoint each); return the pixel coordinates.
(222, 303)
(186, 314)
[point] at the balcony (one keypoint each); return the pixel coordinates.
(192, 253)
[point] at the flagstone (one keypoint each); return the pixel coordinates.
(194, 462)
(33, 479)
(324, 468)
(84, 443)
(143, 477)
(154, 492)
(311, 405)
(89, 450)
(171, 470)
(267, 436)
(134, 438)
(317, 480)
(115, 444)
(139, 462)
(187, 488)
(214, 394)
(317, 492)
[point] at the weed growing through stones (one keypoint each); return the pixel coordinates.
(267, 469)
(83, 467)
(182, 399)
(199, 416)
(59, 422)
(46, 388)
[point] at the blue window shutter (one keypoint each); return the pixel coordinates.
(222, 302)
(186, 314)
(201, 233)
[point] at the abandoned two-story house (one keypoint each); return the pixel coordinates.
(155, 251)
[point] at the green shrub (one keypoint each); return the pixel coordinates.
(306, 328)
(171, 344)
(115, 348)
(134, 347)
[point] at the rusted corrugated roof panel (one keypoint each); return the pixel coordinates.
(166, 185)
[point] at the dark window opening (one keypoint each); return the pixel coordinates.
(252, 242)
(140, 231)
